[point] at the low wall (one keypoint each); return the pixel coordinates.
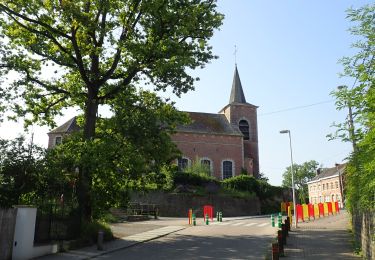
(364, 231)
(177, 205)
(24, 233)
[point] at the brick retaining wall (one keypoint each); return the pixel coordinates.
(177, 205)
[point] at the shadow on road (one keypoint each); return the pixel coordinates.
(179, 246)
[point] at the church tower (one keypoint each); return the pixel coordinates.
(243, 116)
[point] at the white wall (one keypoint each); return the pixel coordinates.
(23, 243)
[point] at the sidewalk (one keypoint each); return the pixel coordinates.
(324, 238)
(115, 245)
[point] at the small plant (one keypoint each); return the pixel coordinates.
(198, 168)
(90, 231)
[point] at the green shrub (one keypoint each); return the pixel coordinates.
(241, 183)
(267, 191)
(191, 178)
(90, 231)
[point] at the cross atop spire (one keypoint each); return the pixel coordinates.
(236, 95)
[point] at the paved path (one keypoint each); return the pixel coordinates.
(324, 238)
(234, 237)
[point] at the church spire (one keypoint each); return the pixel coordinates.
(236, 95)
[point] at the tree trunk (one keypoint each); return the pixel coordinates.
(85, 178)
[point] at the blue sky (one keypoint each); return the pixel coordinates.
(287, 57)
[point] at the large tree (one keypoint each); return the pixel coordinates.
(97, 49)
(132, 150)
(359, 99)
(302, 174)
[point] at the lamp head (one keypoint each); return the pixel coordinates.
(284, 131)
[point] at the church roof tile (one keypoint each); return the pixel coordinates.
(210, 124)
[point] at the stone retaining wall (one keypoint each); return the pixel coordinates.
(177, 205)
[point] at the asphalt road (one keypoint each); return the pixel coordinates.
(247, 238)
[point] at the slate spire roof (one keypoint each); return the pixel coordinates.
(236, 95)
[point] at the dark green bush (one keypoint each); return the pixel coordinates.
(90, 231)
(190, 178)
(267, 191)
(242, 183)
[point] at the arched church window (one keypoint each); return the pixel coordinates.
(206, 163)
(244, 128)
(227, 169)
(183, 163)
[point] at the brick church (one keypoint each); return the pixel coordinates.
(226, 142)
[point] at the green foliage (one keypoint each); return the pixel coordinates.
(359, 129)
(89, 234)
(95, 50)
(262, 176)
(270, 197)
(90, 231)
(302, 174)
(197, 168)
(132, 150)
(95, 53)
(267, 191)
(21, 172)
(192, 178)
(241, 183)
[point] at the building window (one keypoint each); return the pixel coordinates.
(331, 185)
(183, 163)
(206, 163)
(227, 169)
(323, 186)
(318, 186)
(337, 184)
(58, 140)
(244, 128)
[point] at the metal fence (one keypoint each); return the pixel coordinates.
(56, 221)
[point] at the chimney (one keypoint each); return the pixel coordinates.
(318, 171)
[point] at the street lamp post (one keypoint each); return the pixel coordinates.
(291, 168)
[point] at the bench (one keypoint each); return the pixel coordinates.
(136, 208)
